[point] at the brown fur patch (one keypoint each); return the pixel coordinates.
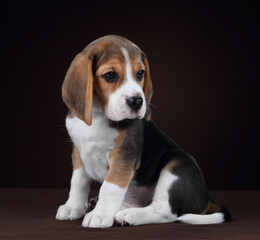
(103, 89)
(77, 88)
(170, 165)
(213, 208)
(120, 172)
(148, 87)
(76, 160)
(137, 65)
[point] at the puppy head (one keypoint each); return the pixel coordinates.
(116, 73)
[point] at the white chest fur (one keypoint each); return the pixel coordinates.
(94, 143)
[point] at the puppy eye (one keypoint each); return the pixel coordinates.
(140, 75)
(110, 76)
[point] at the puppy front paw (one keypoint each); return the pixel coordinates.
(97, 219)
(70, 212)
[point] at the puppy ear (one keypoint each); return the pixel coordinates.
(148, 87)
(77, 88)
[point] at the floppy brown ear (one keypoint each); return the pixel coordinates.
(148, 87)
(77, 88)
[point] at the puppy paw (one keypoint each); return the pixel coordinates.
(70, 212)
(96, 219)
(128, 216)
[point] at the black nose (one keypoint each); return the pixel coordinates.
(135, 103)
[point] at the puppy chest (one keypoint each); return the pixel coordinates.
(95, 157)
(95, 143)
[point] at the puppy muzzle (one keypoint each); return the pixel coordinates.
(135, 103)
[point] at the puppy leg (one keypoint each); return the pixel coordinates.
(159, 211)
(111, 197)
(77, 203)
(113, 189)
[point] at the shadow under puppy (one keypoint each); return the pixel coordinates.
(146, 177)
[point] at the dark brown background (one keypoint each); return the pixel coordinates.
(203, 65)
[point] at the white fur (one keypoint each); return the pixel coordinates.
(202, 219)
(110, 200)
(159, 211)
(76, 205)
(117, 108)
(94, 143)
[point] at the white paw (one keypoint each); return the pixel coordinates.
(97, 219)
(69, 212)
(129, 216)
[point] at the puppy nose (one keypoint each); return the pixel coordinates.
(134, 103)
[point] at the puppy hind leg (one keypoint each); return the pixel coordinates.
(159, 211)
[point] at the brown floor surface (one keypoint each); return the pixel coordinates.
(30, 214)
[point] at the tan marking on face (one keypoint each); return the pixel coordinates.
(102, 88)
(137, 65)
(76, 160)
(120, 171)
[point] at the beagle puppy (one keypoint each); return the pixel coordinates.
(146, 177)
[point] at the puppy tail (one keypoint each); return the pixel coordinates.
(214, 215)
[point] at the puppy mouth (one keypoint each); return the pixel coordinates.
(124, 114)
